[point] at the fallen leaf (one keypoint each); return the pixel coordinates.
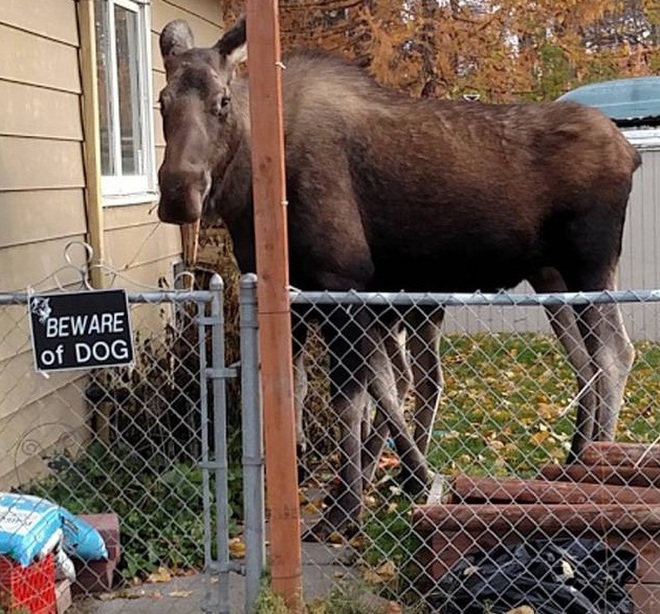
(388, 461)
(336, 538)
(180, 593)
(358, 541)
(122, 595)
(237, 548)
(381, 575)
(538, 438)
(162, 574)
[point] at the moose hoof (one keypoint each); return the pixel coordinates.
(415, 483)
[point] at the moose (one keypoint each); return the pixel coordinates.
(386, 193)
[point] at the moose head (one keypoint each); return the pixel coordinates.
(199, 117)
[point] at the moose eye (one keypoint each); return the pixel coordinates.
(221, 105)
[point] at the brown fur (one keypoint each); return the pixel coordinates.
(390, 193)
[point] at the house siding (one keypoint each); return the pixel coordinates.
(155, 248)
(42, 210)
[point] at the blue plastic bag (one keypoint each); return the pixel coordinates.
(81, 539)
(28, 524)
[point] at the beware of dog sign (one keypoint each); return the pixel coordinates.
(80, 330)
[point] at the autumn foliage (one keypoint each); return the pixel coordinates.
(504, 50)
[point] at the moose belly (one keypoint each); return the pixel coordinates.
(460, 265)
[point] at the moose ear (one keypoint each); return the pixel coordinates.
(176, 38)
(233, 44)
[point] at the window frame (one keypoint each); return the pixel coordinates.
(119, 189)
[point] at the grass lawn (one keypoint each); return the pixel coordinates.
(507, 403)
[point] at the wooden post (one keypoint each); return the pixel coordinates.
(272, 294)
(92, 143)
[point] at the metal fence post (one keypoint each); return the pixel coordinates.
(253, 454)
(221, 464)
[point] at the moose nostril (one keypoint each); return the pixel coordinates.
(224, 101)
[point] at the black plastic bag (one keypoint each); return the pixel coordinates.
(574, 576)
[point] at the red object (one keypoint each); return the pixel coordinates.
(97, 576)
(29, 588)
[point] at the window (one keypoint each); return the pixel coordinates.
(124, 82)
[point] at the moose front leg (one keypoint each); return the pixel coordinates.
(348, 396)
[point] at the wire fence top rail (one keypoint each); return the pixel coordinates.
(461, 299)
(164, 296)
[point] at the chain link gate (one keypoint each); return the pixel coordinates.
(497, 448)
(148, 443)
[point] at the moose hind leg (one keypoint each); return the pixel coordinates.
(564, 324)
(382, 385)
(376, 438)
(612, 353)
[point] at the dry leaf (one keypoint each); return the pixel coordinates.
(381, 575)
(236, 548)
(538, 438)
(162, 574)
(336, 538)
(180, 593)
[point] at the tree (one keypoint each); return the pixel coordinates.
(503, 51)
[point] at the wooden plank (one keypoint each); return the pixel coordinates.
(55, 420)
(210, 10)
(156, 59)
(127, 216)
(600, 474)
(147, 276)
(133, 246)
(159, 137)
(158, 82)
(470, 490)
(30, 264)
(92, 144)
(646, 597)
(50, 18)
(547, 519)
(41, 216)
(21, 385)
(37, 164)
(30, 59)
(37, 112)
(615, 454)
(160, 154)
(274, 309)
(206, 33)
(14, 332)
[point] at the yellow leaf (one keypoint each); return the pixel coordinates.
(358, 541)
(236, 548)
(180, 593)
(538, 438)
(162, 574)
(382, 574)
(312, 507)
(336, 538)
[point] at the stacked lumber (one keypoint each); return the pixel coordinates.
(612, 494)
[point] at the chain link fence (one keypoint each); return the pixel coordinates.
(503, 521)
(149, 454)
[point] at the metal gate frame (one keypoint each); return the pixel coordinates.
(213, 374)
